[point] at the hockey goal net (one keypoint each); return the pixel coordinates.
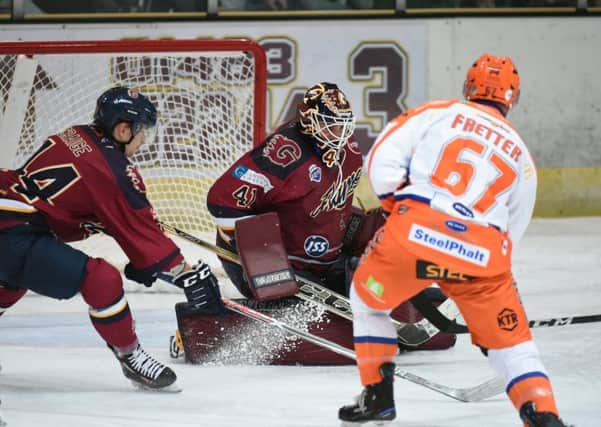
(210, 97)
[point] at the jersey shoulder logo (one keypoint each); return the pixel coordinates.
(135, 178)
(282, 151)
(314, 173)
(248, 175)
(354, 147)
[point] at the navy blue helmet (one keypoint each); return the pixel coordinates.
(122, 104)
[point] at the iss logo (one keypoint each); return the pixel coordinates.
(507, 319)
(316, 246)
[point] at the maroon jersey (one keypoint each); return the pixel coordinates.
(79, 181)
(286, 174)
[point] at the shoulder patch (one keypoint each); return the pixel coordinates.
(248, 175)
(281, 154)
(354, 147)
(136, 179)
(281, 150)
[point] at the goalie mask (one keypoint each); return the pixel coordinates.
(325, 114)
(493, 78)
(122, 104)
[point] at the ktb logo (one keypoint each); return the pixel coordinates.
(507, 319)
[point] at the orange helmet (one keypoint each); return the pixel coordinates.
(493, 78)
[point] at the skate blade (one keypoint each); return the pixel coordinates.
(173, 388)
(364, 423)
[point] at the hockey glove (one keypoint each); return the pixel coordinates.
(140, 276)
(201, 288)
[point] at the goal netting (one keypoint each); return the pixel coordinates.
(210, 97)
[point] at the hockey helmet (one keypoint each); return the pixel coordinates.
(122, 104)
(493, 78)
(325, 114)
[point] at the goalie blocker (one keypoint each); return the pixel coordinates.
(263, 257)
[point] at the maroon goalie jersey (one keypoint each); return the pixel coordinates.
(286, 174)
(79, 182)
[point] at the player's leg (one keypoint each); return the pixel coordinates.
(497, 322)
(13, 244)
(102, 290)
(374, 293)
(42, 263)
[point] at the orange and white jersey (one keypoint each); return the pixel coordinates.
(464, 158)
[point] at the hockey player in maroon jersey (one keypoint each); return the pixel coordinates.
(306, 172)
(78, 182)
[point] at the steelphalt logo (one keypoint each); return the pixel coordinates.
(431, 271)
(449, 245)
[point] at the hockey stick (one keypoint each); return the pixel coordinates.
(485, 390)
(564, 321)
(410, 334)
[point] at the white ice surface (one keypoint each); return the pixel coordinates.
(57, 372)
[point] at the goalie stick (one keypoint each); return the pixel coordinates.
(482, 391)
(410, 334)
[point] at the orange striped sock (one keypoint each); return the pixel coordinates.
(535, 387)
(372, 352)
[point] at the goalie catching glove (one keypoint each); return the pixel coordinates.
(201, 288)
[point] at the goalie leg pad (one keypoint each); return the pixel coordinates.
(236, 339)
(264, 258)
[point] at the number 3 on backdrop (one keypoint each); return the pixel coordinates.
(382, 68)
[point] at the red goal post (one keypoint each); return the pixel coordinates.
(210, 96)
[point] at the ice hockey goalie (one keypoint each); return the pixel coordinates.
(305, 175)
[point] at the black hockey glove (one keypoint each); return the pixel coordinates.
(140, 276)
(201, 288)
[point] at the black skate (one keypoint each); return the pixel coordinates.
(533, 418)
(375, 403)
(145, 372)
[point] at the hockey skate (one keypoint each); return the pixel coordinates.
(533, 418)
(375, 403)
(145, 372)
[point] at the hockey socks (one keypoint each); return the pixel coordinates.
(372, 352)
(532, 387)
